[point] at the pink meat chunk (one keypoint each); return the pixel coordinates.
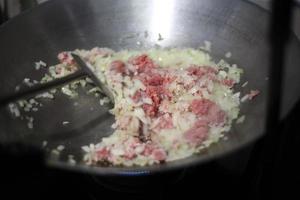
(165, 122)
(216, 116)
(118, 67)
(142, 63)
(200, 71)
(201, 106)
(64, 57)
(103, 153)
(209, 111)
(159, 154)
(228, 82)
(197, 134)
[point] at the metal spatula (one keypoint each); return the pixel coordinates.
(83, 71)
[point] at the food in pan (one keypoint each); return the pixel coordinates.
(169, 104)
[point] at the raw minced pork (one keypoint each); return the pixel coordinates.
(169, 104)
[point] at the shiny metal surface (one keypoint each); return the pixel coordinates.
(104, 90)
(55, 26)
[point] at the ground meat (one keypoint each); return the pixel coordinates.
(64, 57)
(164, 94)
(159, 154)
(155, 152)
(129, 123)
(130, 148)
(130, 154)
(118, 67)
(155, 84)
(137, 96)
(142, 63)
(153, 79)
(200, 71)
(165, 122)
(216, 116)
(148, 149)
(201, 106)
(154, 93)
(228, 82)
(103, 153)
(164, 106)
(208, 110)
(162, 112)
(150, 110)
(197, 134)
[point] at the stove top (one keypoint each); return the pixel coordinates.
(187, 182)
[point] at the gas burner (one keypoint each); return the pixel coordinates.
(153, 183)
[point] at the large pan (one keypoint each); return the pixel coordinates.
(40, 34)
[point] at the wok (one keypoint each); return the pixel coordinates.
(55, 26)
